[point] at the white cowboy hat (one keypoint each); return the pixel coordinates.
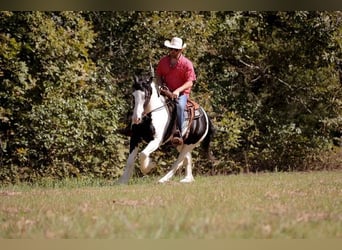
(176, 43)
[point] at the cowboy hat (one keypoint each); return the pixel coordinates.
(176, 43)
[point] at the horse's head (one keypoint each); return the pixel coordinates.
(142, 91)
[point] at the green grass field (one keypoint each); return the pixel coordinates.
(267, 205)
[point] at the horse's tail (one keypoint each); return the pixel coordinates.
(207, 139)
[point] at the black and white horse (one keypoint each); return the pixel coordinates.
(151, 122)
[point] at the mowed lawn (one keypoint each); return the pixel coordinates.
(264, 205)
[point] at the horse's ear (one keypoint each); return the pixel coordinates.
(136, 79)
(147, 82)
(152, 70)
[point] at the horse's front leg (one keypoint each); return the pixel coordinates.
(129, 167)
(146, 164)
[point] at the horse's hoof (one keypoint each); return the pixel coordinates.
(144, 171)
(162, 181)
(187, 180)
(148, 169)
(121, 182)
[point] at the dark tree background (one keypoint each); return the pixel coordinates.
(271, 82)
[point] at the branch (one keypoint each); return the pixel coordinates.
(285, 83)
(248, 65)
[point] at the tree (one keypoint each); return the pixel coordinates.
(271, 82)
(58, 114)
(280, 71)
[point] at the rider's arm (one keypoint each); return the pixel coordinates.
(185, 86)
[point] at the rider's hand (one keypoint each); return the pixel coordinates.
(176, 93)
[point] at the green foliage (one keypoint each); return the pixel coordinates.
(271, 82)
(58, 116)
(279, 71)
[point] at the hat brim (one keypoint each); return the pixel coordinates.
(168, 44)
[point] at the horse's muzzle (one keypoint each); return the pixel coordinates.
(136, 120)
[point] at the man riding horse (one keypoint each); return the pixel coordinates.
(153, 118)
(177, 73)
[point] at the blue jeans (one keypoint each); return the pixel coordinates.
(180, 110)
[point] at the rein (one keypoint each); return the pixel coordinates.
(156, 109)
(146, 87)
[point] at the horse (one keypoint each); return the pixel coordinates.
(152, 121)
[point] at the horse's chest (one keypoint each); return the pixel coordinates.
(144, 131)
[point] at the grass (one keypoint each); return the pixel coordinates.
(268, 205)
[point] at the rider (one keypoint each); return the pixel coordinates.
(177, 73)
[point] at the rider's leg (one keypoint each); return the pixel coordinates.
(180, 111)
(180, 106)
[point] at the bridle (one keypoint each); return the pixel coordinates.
(146, 87)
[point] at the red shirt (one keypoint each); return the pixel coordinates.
(176, 76)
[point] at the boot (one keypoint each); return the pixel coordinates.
(177, 139)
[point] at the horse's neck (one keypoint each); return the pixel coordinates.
(156, 99)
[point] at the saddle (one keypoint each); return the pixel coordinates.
(192, 112)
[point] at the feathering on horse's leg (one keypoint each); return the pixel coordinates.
(129, 167)
(188, 169)
(146, 164)
(171, 173)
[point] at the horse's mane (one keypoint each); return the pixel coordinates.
(143, 83)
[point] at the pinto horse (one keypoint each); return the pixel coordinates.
(152, 121)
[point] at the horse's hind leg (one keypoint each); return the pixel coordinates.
(181, 157)
(188, 170)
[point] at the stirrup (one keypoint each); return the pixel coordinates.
(177, 139)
